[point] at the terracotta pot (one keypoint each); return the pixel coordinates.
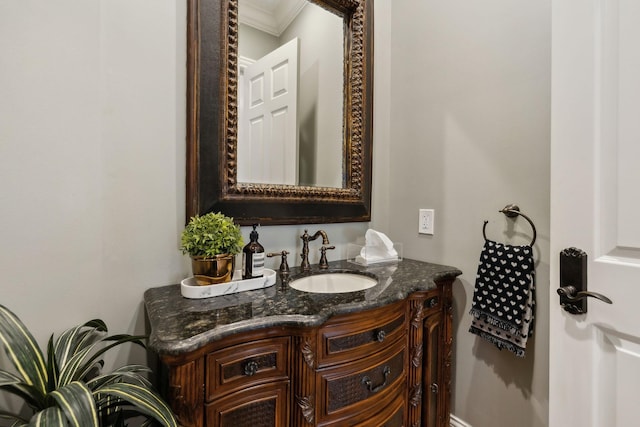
(218, 269)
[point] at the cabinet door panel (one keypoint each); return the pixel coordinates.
(261, 406)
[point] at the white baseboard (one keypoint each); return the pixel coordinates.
(457, 422)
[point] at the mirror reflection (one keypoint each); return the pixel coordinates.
(290, 94)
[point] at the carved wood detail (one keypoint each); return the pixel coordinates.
(303, 379)
(415, 398)
(416, 355)
(444, 403)
(416, 316)
(415, 342)
(307, 351)
(212, 120)
(306, 405)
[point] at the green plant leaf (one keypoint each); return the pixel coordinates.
(77, 338)
(77, 403)
(69, 372)
(52, 366)
(16, 419)
(23, 350)
(15, 385)
(129, 374)
(59, 395)
(145, 400)
(119, 339)
(50, 417)
(7, 378)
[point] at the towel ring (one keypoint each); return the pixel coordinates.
(512, 211)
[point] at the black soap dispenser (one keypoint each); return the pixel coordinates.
(253, 257)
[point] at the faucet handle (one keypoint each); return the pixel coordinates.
(324, 264)
(284, 267)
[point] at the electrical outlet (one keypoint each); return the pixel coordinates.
(425, 221)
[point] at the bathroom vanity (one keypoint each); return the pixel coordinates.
(283, 357)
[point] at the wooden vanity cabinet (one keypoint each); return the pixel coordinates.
(388, 366)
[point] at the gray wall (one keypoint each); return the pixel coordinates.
(254, 44)
(469, 133)
(92, 160)
(92, 129)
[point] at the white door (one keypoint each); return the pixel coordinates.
(268, 132)
(595, 206)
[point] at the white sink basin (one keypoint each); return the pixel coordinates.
(333, 283)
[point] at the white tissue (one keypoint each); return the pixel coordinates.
(378, 247)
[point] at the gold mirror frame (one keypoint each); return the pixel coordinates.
(212, 118)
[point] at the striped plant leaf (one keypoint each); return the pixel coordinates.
(15, 420)
(67, 388)
(50, 417)
(77, 402)
(69, 372)
(52, 366)
(23, 350)
(7, 378)
(97, 351)
(76, 338)
(129, 374)
(145, 400)
(14, 385)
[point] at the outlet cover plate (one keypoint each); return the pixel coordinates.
(425, 221)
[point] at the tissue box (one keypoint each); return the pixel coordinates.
(355, 254)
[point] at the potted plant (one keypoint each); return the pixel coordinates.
(66, 386)
(212, 241)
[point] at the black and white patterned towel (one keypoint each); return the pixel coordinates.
(504, 296)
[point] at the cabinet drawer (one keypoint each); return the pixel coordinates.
(392, 415)
(261, 406)
(358, 386)
(245, 365)
(358, 335)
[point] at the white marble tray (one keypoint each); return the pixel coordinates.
(189, 287)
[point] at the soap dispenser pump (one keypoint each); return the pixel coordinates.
(253, 257)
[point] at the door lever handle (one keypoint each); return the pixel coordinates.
(572, 294)
(573, 269)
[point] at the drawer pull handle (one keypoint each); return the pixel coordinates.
(434, 388)
(366, 381)
(380, 336)
(251, 368)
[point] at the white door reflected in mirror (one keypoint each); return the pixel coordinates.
(298, 138)
(267, 128)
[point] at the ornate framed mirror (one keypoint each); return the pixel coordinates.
(226, 154)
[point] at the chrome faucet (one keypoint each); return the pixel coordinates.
(306, 238)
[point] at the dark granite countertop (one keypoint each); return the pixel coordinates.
(180, 325)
